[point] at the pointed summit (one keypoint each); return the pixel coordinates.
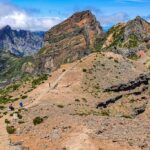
(72, 39)
(82, 14)
(7, 27)
(139, 19)
(129, 38)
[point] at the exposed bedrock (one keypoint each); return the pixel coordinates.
(142, 79)
(109, 101)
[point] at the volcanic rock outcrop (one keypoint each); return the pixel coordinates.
(128, 38)
(70, 40)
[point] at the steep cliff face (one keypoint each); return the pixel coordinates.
(70, 40)
(20, 43)
(129, 38)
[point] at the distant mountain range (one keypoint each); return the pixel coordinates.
(20, 42)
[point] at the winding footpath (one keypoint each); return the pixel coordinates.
(47, 89)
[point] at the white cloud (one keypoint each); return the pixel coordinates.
(19, 18)
(113, 19)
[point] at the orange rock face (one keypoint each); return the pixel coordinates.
(71, 39)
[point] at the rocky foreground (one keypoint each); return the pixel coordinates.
(75, 110)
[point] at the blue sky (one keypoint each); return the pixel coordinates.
(43, 14)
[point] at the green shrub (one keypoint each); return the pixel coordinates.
(127, 116)
(37, 120)
(21, 122)
(19, 116)
(77, 100)
(2, 107)
(84, 99)
(133, 57)
(84, 70)
(24, 96)
(116, 61)
(10, 129)
(4, 100)
(7, 121)
(12, 87)
(5, 113)
(45, 117)
(105, 113)
(39, 80)
(11, 114)
(60, 106)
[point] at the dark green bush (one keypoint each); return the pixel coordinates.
(133, 57)
(7, 121)
(21, 122)
(60, 106)
(2, 107)
(10, 129)
(84, 70)
(24, 96)
(4, 100)
(77, 100)
(37, 120)
(39, 80)
(19, 116)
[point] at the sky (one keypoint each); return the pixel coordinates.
(41, 15)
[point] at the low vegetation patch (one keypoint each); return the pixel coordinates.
(133, 57)
(37, 120)
(7, 121)
(84, 100)
(10, 129)
(39, 80)
(21, 122)
(5, 113)
(77, 100)
(19, 116)
(84, 70)
(87, 112)
(127, 116)
(2, 107)
(60, 106)
(24, 96)
(4, 100)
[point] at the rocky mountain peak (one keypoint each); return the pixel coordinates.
(87, 16)
(7, 27)
(82, 14)
(139, 24)
(139, 18)
(78, 20)
(20, 42)
(71, 39)
(129, 38)
(138, 21)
